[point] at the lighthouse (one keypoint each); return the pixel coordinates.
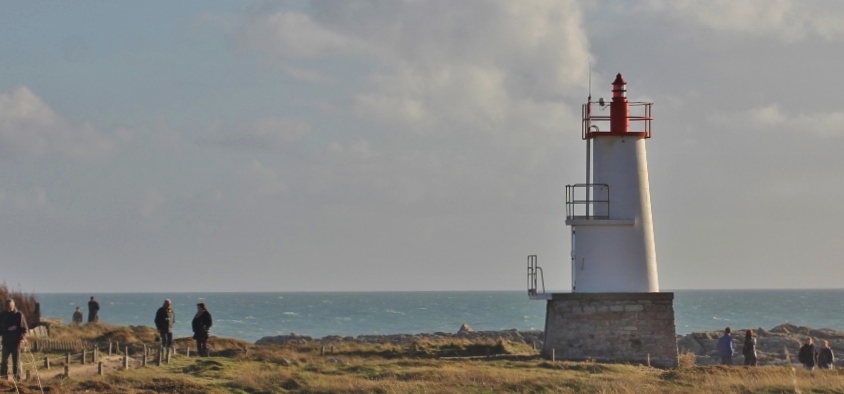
(615, 310)
(610, 217)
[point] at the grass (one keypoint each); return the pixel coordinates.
(424, 367)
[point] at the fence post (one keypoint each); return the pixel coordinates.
(46, 363)
(553, 354)
(67, 371)
(84, 355)
(187, 351)
(67, 359)
(126, 358)
(169, 353)
(160, 355)
(100, 368)
(322, 351)
(96, 353)
(109, 348)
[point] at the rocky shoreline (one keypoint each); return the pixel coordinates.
(776, 346)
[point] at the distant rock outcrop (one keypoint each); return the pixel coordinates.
(528, 337)
(465, 328)
(777, 346)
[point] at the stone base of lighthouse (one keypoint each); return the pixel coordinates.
(612, 327)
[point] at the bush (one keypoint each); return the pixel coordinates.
(26, 303)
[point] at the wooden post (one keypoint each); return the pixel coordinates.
(169, 353)
(67, 359)
(649, 359)
(322, 351)
(146, 351)
(187, 351)
(553, 354)
(126, 358)
(84, 355)
(109, 348)
(46, 363)
(35, 345)
(67, 371)
(100, 368)
(96, 353)
(160, 356)
(144, 361)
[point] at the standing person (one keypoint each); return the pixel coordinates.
(164, 319)
(77, 316)
(13, 329)
(749, 349)
(725, 347)
(201, 324)
(825, 356)
(93, 310)
(807, 355)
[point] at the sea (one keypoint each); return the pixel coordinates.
(251, 316)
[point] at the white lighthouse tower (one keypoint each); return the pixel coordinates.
(610, 217)
(615, 311)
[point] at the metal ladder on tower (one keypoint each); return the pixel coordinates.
(535, 277)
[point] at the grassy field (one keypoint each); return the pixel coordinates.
(425, 367)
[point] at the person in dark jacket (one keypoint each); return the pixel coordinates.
(164, 319)
(825, 356)
(725, 347)
(93, 310)
(749, 349)
(201, 325)
(77, 316)
(13, 328)
(808, 355)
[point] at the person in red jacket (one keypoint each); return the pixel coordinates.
(13, 329)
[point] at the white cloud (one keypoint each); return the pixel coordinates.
(270, 132)
(291, 34)
(256, 180)
(150, 202)
(787, 19)
(476, 64)
(772, 117)
(30, 128)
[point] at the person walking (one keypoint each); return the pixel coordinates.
(749, 349)
(725, 347)
(808, 355)
(825, 356)
(77, 316)
(164, 319)
(93, 310)
(13, 328)
(201, 325)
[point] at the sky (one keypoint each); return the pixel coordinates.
(389, 145)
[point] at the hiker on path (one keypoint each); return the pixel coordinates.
(725, 347)
(93, 310)
(164, 319)
(201, 325)
(13, 329)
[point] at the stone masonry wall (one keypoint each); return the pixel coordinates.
(620, 327)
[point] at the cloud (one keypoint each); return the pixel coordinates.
(29, 128)
(790, 20)
(270, 132)
(476, 64)
(772, 117)
(291, 34)
(256, 180)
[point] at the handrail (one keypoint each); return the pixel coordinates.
(594, 203)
